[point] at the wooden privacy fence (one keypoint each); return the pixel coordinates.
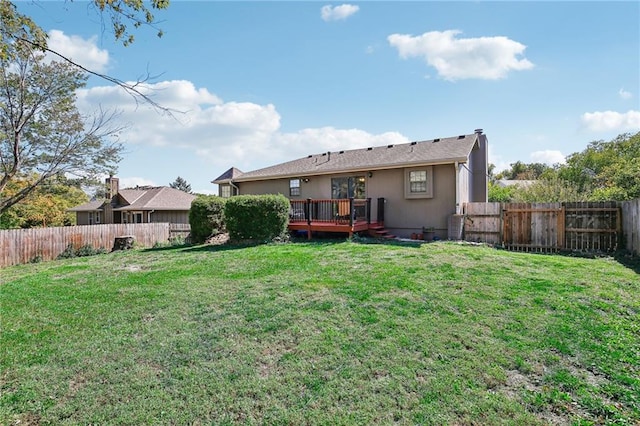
(631, 225)
(548, 227)
(19, 246)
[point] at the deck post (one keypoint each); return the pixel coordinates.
(307, 210)
(380, 218)
(351, 212)
(368, 211)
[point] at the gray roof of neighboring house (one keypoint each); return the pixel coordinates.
(515, 182)
(144, 198)
(93, 205)
(435, 151)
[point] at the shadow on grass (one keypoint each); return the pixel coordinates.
(629, 260)
(188, 248)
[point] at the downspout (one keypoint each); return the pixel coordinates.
(149, 215)
(234, 186)
(457, 187)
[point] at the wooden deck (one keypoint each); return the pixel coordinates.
(341, 216)
(321, 226)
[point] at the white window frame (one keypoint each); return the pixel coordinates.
(295, 189)
(428, 183)
(225, 191)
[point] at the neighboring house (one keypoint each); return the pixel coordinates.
(136, 205)
(515, 182)
(411, 186)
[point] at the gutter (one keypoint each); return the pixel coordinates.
(362, 169)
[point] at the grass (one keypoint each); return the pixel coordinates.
(332, 333)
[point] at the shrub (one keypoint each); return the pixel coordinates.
(88, 250)
(257, 217)
(68, 253)
(206, 217)
(85, 250)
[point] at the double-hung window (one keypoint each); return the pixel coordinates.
(418, 183)
(294, 187)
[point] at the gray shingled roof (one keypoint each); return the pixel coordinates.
(157, 198)
(228, 176)
(435, 151)
(91, 206)
(146, 198)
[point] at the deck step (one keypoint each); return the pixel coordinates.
(379, 231)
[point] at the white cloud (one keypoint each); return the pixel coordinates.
(624, 94)
(241, 134)
(336, 13)
(81, 51)
(602, 121)
(488, 58)
(549, 157)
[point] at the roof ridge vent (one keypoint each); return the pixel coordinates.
(309, 156)
(437, 140)
(461, 137)
(390, 146)
(413, 143)
(370, 148)
(341, 152)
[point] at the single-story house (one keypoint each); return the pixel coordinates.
(143, 204)
(406, 187)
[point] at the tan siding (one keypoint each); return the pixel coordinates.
(170, 216)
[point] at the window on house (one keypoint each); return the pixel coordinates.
(418, 183)
(347, 187)
(294, 187)
(225, 191)
(137, 217)
(98, 217)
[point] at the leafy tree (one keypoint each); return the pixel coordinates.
(17, 30)
(501, 194)
(523, 171)
(548, 190)
(606, 170)
(181, 184)
(45, 206)
(42, 134)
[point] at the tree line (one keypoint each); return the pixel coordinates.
(604, 170)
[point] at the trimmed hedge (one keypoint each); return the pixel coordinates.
(206, 217)
(257, 217)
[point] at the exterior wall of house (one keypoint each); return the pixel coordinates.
(82, 218)
(167, 216)
(405, 216)
(402, 216)
(478, 164)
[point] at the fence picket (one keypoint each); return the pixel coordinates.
(18, 246)
(575, 226)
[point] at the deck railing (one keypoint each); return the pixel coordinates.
(340, 211)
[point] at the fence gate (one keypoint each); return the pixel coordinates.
(536, 227)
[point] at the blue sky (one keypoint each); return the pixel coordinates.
(259, 83)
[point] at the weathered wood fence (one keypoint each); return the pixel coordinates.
(631, 225)
(549, 227)
(19, 246)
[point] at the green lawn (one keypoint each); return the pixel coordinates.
(321, 333)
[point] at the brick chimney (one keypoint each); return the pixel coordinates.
(112, 186)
